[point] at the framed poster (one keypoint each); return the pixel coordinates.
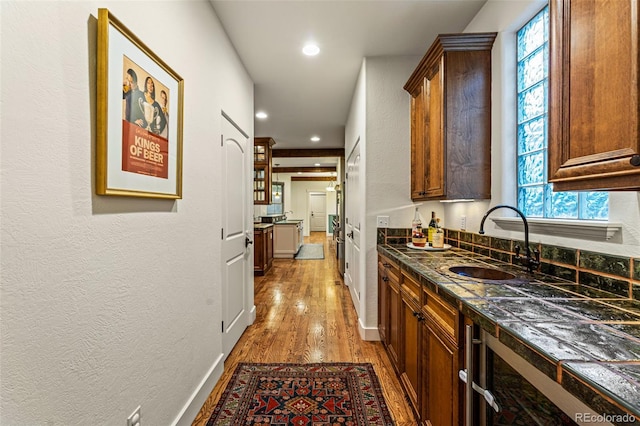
(139, 117)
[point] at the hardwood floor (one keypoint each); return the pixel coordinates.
(305, 314)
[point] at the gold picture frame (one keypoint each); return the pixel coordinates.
(139, 125)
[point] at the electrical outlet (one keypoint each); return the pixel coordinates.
(383, 221)
(134, 418)
(463, 223)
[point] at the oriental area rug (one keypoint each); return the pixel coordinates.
(301, 395)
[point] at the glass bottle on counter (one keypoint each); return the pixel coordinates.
(438, 236)
(433, 226)
(418, 239)
(416, 222)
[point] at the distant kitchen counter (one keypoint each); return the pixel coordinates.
(262, 225)
(289, 222)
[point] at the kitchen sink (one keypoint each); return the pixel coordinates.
(482, 272)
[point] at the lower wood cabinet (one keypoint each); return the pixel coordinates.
(263, 254)
(423, 338)
(410, 341)
(441, 390)
(389, 308)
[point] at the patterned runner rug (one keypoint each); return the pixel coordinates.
(302, 394)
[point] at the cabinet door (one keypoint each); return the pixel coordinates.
(261, 185)
(440, 391)
(383, 304)
(269, 248)
(418, 147)
(258, 252)
(410, 352)
(434, 86)
(393, 329)
(593, 94)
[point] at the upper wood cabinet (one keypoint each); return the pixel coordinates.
(262, 170)
(593, 95)
(451, 119)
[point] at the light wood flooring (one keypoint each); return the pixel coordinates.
(305, 314)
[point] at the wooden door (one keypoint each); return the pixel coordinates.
(259, 254)
(393, 329)
(440, 394)
(269, 248)
(410, 352)
(593, 95)
(435, 161)
(383, 303)
(236, 279)
(418, 148)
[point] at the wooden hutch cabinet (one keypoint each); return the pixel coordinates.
(451, 119)
(594, 85)
(262, 170)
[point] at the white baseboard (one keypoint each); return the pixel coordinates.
(252, 315)
(368, 333)
(200, 395)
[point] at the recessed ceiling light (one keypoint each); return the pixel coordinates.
(315, 138)
(311, 49)
(261, 115)
(317, 164)
(299, 173)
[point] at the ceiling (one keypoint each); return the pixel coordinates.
(306, 96)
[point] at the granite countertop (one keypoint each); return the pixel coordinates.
(262, 225)
(289, 222)
(586, 339)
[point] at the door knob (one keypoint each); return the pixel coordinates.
(247, 241)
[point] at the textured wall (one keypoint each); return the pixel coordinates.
(107, 303)
(379, 115)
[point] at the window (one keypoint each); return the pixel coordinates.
(277, 197)
(535, 195)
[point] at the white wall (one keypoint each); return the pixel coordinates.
(299, 200)
(381, 111)
(107, 303)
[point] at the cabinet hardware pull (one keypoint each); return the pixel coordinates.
(635, 160)
(385, 279)
(386, 265)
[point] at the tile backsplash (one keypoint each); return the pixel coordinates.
(616, 274)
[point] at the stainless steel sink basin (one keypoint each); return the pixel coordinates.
(481, 272)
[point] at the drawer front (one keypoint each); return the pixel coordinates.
(391, 267)
(441, 314)
(411, 287)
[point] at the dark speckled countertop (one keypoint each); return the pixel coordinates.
(586, 339)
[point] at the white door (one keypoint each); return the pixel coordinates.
(352, 227)
(236, 281)
(317, 211)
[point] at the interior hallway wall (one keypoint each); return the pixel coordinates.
(108, 303)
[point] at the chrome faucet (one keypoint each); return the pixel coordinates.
(532, 263)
